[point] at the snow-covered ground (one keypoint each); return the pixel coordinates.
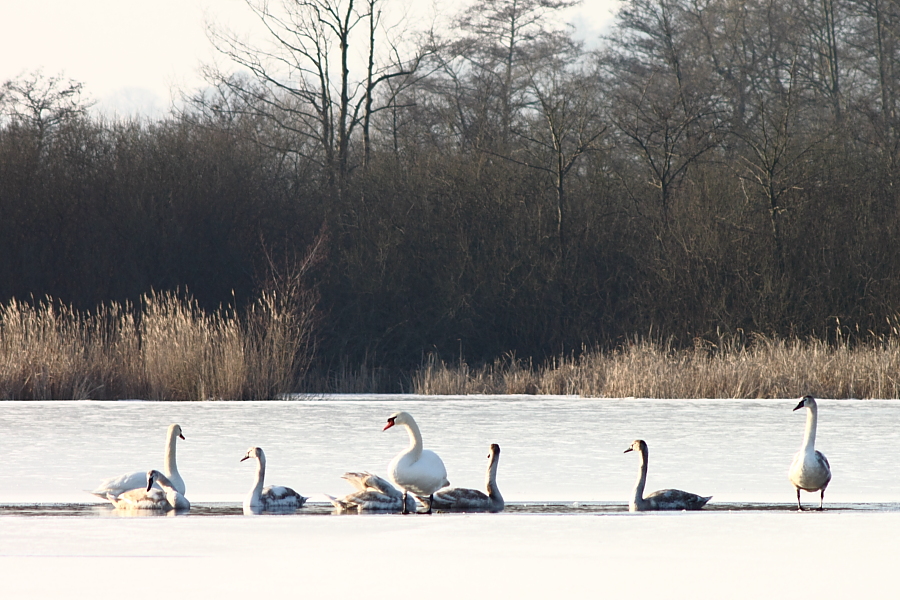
(552, 449)
(706, 555)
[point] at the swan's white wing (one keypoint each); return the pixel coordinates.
(121, 484)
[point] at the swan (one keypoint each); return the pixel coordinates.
(130, 481)
(663, 499)
(415, 470)
(163, 498)
(373, 494)
(274, 498)
(463, 499)
(810, 470)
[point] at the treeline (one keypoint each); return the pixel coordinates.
(713, 169)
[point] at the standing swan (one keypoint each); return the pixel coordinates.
(463, 499)
(663, 499)
(810, 470)
(163, 498)
(415, 470)
(273, 498)
(130, 481)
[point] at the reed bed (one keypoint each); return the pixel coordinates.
(168, 348)
(766, 367)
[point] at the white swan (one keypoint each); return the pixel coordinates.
(274, 498)
(810, 470)
(138, 479)
(163, 498)
(415, 470)
(373, 494)
(463, 499)
(663, 499)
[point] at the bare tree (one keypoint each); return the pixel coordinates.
(300, 79)
(42, 102)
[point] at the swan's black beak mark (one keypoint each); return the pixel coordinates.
(629, 450)
(390, 424)
(799, 406)
(181, 435)
(245, 458)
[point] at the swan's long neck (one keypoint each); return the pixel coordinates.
(809, 436)
(256, 492)
(491, 479)
(171, 467)
(165, 484)
(638, 498)
(415, 440)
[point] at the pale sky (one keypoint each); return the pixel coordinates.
(131, 55)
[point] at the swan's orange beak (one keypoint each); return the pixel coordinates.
(390, 424)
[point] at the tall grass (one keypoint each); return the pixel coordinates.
(167, 348)
(766, 367)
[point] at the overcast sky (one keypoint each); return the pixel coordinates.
(130, 55)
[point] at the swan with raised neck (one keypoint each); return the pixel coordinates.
(810, 470)
(164, 497)
(138, 479)
(274, 498)
(373, 494)
(663, 499)
(416, 469)
(469, 500)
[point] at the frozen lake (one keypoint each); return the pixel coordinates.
(562, 467)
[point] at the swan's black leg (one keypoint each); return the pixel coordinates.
(430, 502)
(799, 507)
(403, 511)
(822, 501)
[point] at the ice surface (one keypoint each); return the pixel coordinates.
(681, 555)
(553, 449)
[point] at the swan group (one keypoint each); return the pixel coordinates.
(419, 474)
(130, 481)
(162, 498)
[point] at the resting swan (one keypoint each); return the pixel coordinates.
(663, 499)
(163, 498)
(274, 498)
(415, 470)
(130, 481)
(810, 470)
(463, 499)
(373, 494)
